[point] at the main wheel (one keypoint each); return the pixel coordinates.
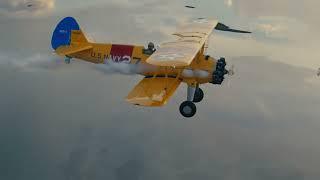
(198, 95)
(188, 109)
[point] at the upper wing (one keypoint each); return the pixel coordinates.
(181, 52)
(153, 91)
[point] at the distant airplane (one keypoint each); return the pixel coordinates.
(190, 7)
(181, 60)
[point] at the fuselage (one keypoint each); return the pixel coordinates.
(200, 70)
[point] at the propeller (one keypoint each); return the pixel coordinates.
(231, 71)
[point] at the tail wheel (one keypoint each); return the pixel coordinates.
(188, 109)
(67, 60)
(198, 96)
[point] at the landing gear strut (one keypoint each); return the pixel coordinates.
(188, 108)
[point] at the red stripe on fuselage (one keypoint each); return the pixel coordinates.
(121, 53)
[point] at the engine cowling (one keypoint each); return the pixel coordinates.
(218, 74)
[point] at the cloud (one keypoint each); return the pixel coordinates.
(73, 122)
(229, 3)
(250, 130)
(36, 62)
(123, 68)
(280, 28)
(253, 8)
(294, 9)
(24, 8)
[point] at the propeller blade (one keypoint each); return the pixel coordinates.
(231, 71)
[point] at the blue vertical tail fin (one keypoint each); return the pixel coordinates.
(62, 34)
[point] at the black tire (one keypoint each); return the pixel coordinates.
(67, 61)
(198, 96)
(188, 109)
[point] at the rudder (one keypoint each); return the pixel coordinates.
(67, 32)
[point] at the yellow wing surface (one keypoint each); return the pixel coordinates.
(181, 52)
(153, 91)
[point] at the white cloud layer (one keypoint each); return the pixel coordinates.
(25, 8)
(265, 125)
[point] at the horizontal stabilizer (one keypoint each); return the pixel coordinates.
(68, 50)
(222, 27)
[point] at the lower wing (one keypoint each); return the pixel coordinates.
(153, 91)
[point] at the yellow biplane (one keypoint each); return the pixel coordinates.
(177, 61)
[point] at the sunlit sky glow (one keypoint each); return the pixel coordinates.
(278, 32)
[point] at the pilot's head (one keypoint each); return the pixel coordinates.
(151, 46)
